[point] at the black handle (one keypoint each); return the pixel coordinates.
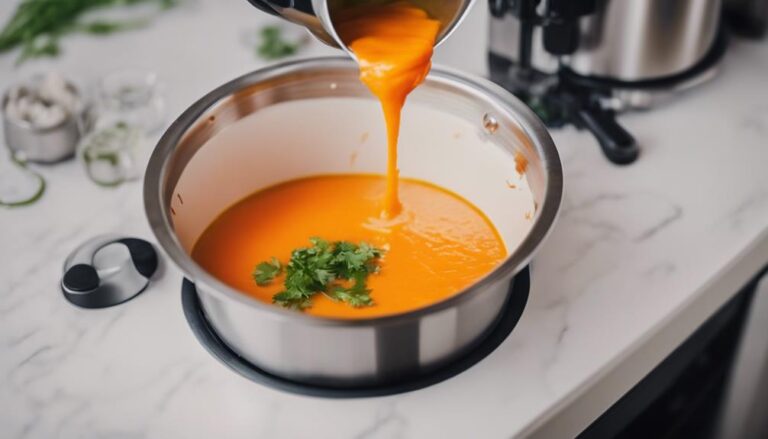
(617, 144)
(498, 8)
(143, 255)
(81, 278)
(264, 6)
(561, 28)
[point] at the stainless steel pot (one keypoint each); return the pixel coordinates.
(314, 116)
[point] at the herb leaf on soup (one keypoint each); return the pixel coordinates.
(356, 295)
(266, 272)
(337, 269)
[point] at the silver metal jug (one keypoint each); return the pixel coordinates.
(318, 15)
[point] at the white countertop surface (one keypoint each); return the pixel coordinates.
(639, 258)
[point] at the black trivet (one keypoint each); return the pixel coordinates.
(214, 345)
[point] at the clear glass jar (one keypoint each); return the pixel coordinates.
(110, 154)
(132, 97)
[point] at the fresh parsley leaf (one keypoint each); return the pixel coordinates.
(339, 270)
(357, 295)
(349, 259)
(293, 299)
(266, 272)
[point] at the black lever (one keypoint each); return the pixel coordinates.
(561, 28)
(571, 8)
(618, 145)
(498, 8)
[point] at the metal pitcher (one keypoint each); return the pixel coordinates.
(318, 15)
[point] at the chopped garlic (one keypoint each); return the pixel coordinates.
(43, 103)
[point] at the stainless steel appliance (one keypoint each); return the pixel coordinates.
(581, 61)
(209, 158)
(621, 40)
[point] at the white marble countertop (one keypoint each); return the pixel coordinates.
(640, 256)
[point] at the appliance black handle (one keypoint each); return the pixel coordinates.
(617, 144)
(498, 8)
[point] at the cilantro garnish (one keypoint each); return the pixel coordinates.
(339, 270)
(265, 272)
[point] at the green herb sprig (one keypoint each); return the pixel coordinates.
(339, 270)
(37, 25)
(265, 272)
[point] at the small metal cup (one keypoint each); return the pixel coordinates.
(42, 145)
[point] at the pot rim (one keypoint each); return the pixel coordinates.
(530, 124)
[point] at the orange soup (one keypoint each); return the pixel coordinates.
(438, 245)
(393, 44)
